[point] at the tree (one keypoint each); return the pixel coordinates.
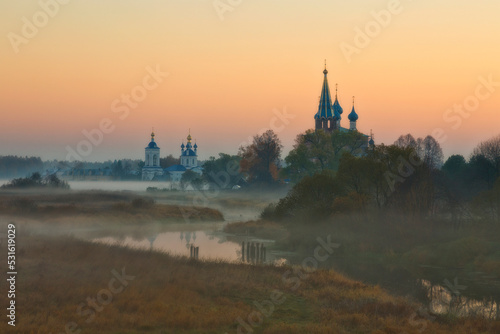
(36, 181)
(260, 159)
(12, 166)
(169, 161)
(364, 177)
(140, 165)
(487, 203)
(312, 197)
(432, 152)
(315, 151)
(405, 141)
(352, 142)
(224, 172)
(190, 177)
(454, 165)
(117, 169)
(312, 153)
(481, 173)
(490, 149)
(428, 149)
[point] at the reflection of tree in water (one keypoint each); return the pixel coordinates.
(449, 300)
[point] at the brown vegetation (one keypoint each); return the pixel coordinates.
(113, 206)
(177, 295)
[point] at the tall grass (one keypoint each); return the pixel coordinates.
(177, 295)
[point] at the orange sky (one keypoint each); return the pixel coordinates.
(227, 77)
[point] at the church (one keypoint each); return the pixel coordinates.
(188, 161)
(329, 114)
(152, 166)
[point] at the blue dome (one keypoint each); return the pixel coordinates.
(195, 145)
(152, 144)
(188, 153)
(371, 142)
(336, 113)
(353, 117)
(182, 146)
(337, 108)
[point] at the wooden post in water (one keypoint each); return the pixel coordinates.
(255, 250)
(243, 251)
(191, 252)
(197, 251)
(248, 251)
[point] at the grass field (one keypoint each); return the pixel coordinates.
(82, 207)
(59, 278)
(66, 285)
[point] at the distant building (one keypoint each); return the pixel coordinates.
(329, 114)
(188, 161)
(152, 167)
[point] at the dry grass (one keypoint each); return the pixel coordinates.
(176, 295)
(110, 206)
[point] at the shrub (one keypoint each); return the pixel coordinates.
(143, 202)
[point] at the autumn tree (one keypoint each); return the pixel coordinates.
(260, 159)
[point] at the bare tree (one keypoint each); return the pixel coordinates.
(432, 152)
(405, 141)
(490, 149)
(427, 149)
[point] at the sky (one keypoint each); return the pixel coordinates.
(90, 79)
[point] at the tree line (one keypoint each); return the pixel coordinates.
(409, 177)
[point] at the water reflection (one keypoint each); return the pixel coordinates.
(443, 300)
(255, 252)
(205, 245)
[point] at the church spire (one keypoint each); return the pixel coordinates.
(325, 102)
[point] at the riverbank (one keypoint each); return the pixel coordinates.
(89, 207)
(399, 254)
(72, 284)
